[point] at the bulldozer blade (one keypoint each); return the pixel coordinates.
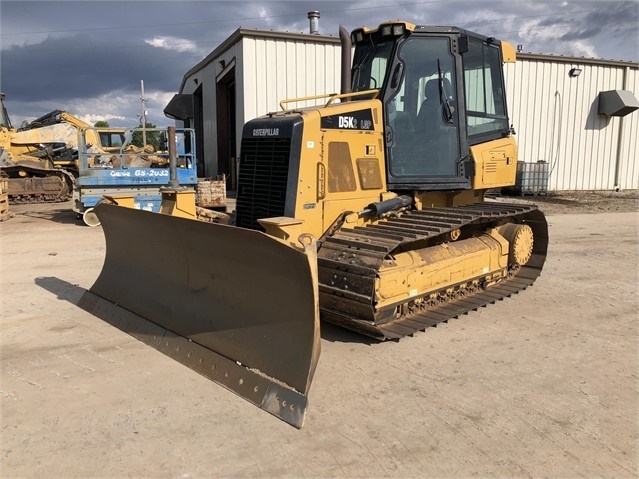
(235, 305)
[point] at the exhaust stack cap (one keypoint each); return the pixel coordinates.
(313, 17)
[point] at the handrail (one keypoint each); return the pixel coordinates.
(374, 93)
(304, 98)
(84, 154)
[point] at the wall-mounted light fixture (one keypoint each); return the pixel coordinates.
(574, 72)
(196, 81)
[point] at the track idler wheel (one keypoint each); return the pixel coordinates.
(520, 238)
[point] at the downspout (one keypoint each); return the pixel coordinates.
(621, 137)
(345, 40)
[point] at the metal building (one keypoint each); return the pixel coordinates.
(245, 77)
(554, 105)
(553, 101)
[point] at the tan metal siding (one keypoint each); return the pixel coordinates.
(556, 120)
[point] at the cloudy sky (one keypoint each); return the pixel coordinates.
(88, 57)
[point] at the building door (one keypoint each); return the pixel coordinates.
(198, 126)
(226, 130)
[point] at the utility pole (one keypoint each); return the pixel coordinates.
(143, 115)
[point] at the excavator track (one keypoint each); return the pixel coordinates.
(349, 261)
(31, 184)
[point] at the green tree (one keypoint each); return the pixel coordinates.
(152, 137)
(101, 124)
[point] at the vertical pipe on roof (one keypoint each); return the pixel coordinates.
(313, 17)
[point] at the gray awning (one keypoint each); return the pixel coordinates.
(180, 107)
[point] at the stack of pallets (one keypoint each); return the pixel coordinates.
(211, 192)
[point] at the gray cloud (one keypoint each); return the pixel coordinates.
(81, 66)
(616, 18)
(69, 54)
(610, 19)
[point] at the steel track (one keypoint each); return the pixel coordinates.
(349, 261)
(39, 175)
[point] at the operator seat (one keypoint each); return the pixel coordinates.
(430, 112)
(439, 143)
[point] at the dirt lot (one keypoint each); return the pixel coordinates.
(581, 202)
(540, 385)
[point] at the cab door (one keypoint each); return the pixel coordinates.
(423, 140)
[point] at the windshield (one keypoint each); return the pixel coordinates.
(370, 65)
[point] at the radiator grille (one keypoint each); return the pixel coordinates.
(262, 180)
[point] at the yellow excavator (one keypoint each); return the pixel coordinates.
(40, 159)
(368, 211)
(27, 163)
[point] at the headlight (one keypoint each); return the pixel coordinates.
(398, 30)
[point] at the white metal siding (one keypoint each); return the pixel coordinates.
(629, 170)
(556, 120)
(278, 69)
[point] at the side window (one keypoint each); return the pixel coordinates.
(370, 65)
(104, 139)
(117, 139)
(485, 104)
(378, 71)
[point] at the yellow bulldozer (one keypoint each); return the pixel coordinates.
(368, 211)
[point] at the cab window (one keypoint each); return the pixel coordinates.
(485, 102)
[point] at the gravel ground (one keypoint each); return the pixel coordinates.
(543, 384)
(581, 202)
(554, 203)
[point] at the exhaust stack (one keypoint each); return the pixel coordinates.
(313, 18)
(345, 39)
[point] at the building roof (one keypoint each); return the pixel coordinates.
(581, 60)
(240, 33)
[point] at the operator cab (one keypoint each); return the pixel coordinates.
(442, 90)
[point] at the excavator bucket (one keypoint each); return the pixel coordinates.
(235, 305)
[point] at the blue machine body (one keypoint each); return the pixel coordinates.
(108, 174)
